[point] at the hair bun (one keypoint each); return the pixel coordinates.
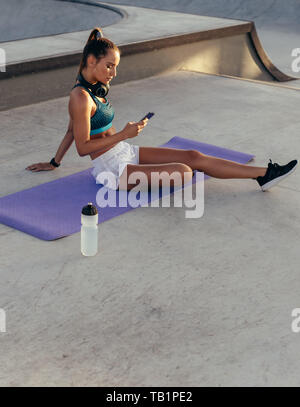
(98, 35)
(95, 47)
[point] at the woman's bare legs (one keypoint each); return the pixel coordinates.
(183, 171)
(212, 166)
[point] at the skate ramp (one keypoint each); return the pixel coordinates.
(38, 18)
(176, 42)
(277, 21)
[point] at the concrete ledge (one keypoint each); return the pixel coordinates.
(136, 25)
(69, 59)
(220, 46)
(171, 28)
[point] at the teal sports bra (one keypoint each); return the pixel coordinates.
(103, 117)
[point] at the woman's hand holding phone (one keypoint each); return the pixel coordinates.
(132, 129)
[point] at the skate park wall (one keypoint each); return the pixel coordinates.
(233, 50)
(277, 21)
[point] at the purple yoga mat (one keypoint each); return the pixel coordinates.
(53, 210)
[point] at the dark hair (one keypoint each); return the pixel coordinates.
(96, 45)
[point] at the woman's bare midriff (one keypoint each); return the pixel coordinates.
(106, 133)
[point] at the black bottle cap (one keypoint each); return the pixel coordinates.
(89, 210)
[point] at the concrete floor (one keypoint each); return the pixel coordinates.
(168, 301)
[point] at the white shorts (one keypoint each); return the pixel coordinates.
(115, 160)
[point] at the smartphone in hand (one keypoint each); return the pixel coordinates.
(148, 116)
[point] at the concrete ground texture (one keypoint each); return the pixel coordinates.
(167, 301)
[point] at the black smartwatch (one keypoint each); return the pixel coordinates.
(52, 162)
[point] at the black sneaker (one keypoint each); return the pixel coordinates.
(276, 173)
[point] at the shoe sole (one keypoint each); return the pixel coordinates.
(275, 181)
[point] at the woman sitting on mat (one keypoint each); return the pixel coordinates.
(91, 126)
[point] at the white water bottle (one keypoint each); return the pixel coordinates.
(89, 230)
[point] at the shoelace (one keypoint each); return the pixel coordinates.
(273, 164)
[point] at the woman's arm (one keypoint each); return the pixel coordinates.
(80, 112)
(61, 151)
(65, 144)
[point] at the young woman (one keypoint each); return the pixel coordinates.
(91, 127)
